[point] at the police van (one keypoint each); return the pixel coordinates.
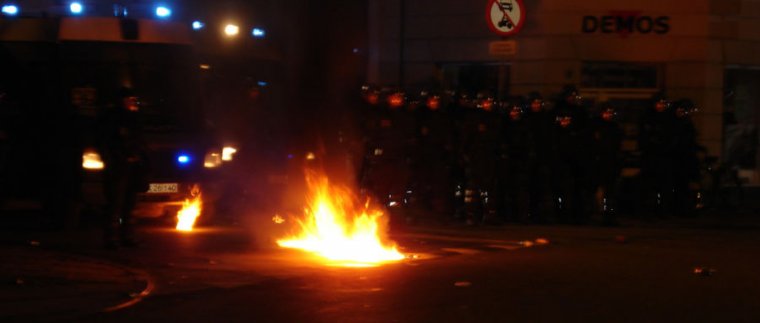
(61, 69)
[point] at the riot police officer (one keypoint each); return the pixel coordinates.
(608, 137)
(572, 184)
(656, 142)
(684, 158)
(457, 107)
(431, 157)
(479, 150)
(518, 143)
(541, 125)
(388, 129)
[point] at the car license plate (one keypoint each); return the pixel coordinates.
(163, 188)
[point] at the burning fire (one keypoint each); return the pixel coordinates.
(336, 227)
(190, 211)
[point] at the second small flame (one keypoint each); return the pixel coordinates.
(191, 210)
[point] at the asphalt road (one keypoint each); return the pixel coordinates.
(453, 274)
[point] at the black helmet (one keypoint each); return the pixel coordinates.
(535, 102)
(516, 112)
(570, 94)
(564, 118)
(607, 112)
(662, 105)
(684, 107)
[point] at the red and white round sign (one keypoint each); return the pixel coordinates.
(505, 17)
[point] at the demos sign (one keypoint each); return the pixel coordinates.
(625, 23)
(505, 17)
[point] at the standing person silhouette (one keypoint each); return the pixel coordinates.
(124, 156)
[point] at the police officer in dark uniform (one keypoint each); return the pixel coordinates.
(541, 125)
(684, 158)
(479, 151)
(389, 134)
(518, 144)
(125, 159)
(572, 184)
(656, 142)
(369, 126)
(608, 137)
(457, 107)
(432, 157)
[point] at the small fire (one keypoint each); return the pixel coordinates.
(336, 227)
(190, 211)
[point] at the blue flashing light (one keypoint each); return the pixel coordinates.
(262, 83)
(183, 159)
(198, 25)
(10, 9)
(120, 11)
(163, 12)
(76, 8)
(258, 33)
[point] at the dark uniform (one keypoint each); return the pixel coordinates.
(540, 161)
(431, 159)
(456, 108)
(479, 147)
(388, 131)
(572, 140)
(684, 159)
(608, 137)
(657, 143)
(518, 145)
(125, 159)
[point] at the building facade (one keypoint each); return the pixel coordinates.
(619, 52)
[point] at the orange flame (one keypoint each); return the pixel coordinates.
(337, 229)
(191, 210)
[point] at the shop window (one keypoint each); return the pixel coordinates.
(619, 75)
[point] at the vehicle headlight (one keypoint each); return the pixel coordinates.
(228, 152)
(91, 160)
(213, 159)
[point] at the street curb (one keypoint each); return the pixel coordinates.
(119, 294)
(138, 297)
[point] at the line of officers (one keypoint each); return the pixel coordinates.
(524, 159)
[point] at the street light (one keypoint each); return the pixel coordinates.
(198, 25)
(231, 30)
